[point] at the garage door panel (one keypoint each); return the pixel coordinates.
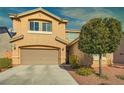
(38, 56)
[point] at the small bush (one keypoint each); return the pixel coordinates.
(84, 71)
(120, 77)
(73, 60)
(5, 63)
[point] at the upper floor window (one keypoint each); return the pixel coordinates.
(40, 26)
(34, 25)
(46, 27)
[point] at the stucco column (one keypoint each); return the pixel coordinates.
(63, 55)
(15, 54)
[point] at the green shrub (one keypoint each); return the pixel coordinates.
(84, 71)
(5, 63)
(120, 77)
(73, 60)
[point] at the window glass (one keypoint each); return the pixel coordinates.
(36, 26)
(31, 25)
(49, 27)
(46, 27)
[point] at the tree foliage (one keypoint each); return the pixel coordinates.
(100, 36)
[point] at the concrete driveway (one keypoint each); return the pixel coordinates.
(36, 75)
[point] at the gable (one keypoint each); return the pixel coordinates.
(40, 16)
(30, 12)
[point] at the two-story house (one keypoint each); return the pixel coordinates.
(40, 38)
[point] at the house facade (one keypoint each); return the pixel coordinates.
(41, 38)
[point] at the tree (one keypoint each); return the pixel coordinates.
(100, 36)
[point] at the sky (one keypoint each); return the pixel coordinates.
(77, 16)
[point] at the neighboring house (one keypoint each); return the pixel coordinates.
(41, 38)
(118, 56)
(5, 46)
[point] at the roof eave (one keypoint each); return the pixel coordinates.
(12, 16)
(73, 31)
(65, 21)
(61, 40)
(16, 38)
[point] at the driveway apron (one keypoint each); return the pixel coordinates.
(36, 75)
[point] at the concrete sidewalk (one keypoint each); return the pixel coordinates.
(36, 75)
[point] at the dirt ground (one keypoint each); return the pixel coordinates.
(93, 79)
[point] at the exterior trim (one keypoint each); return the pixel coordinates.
(39, 32)
(61, 40)
(17, 38)
(30, 46)
(74, 41)
(36, 19)
(73, 31)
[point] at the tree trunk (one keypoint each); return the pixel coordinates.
(100, 64)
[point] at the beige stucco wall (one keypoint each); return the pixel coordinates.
(21, 26)
(85, 59)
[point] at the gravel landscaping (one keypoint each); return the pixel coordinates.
(110, 78)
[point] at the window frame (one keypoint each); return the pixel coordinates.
(40, 27)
